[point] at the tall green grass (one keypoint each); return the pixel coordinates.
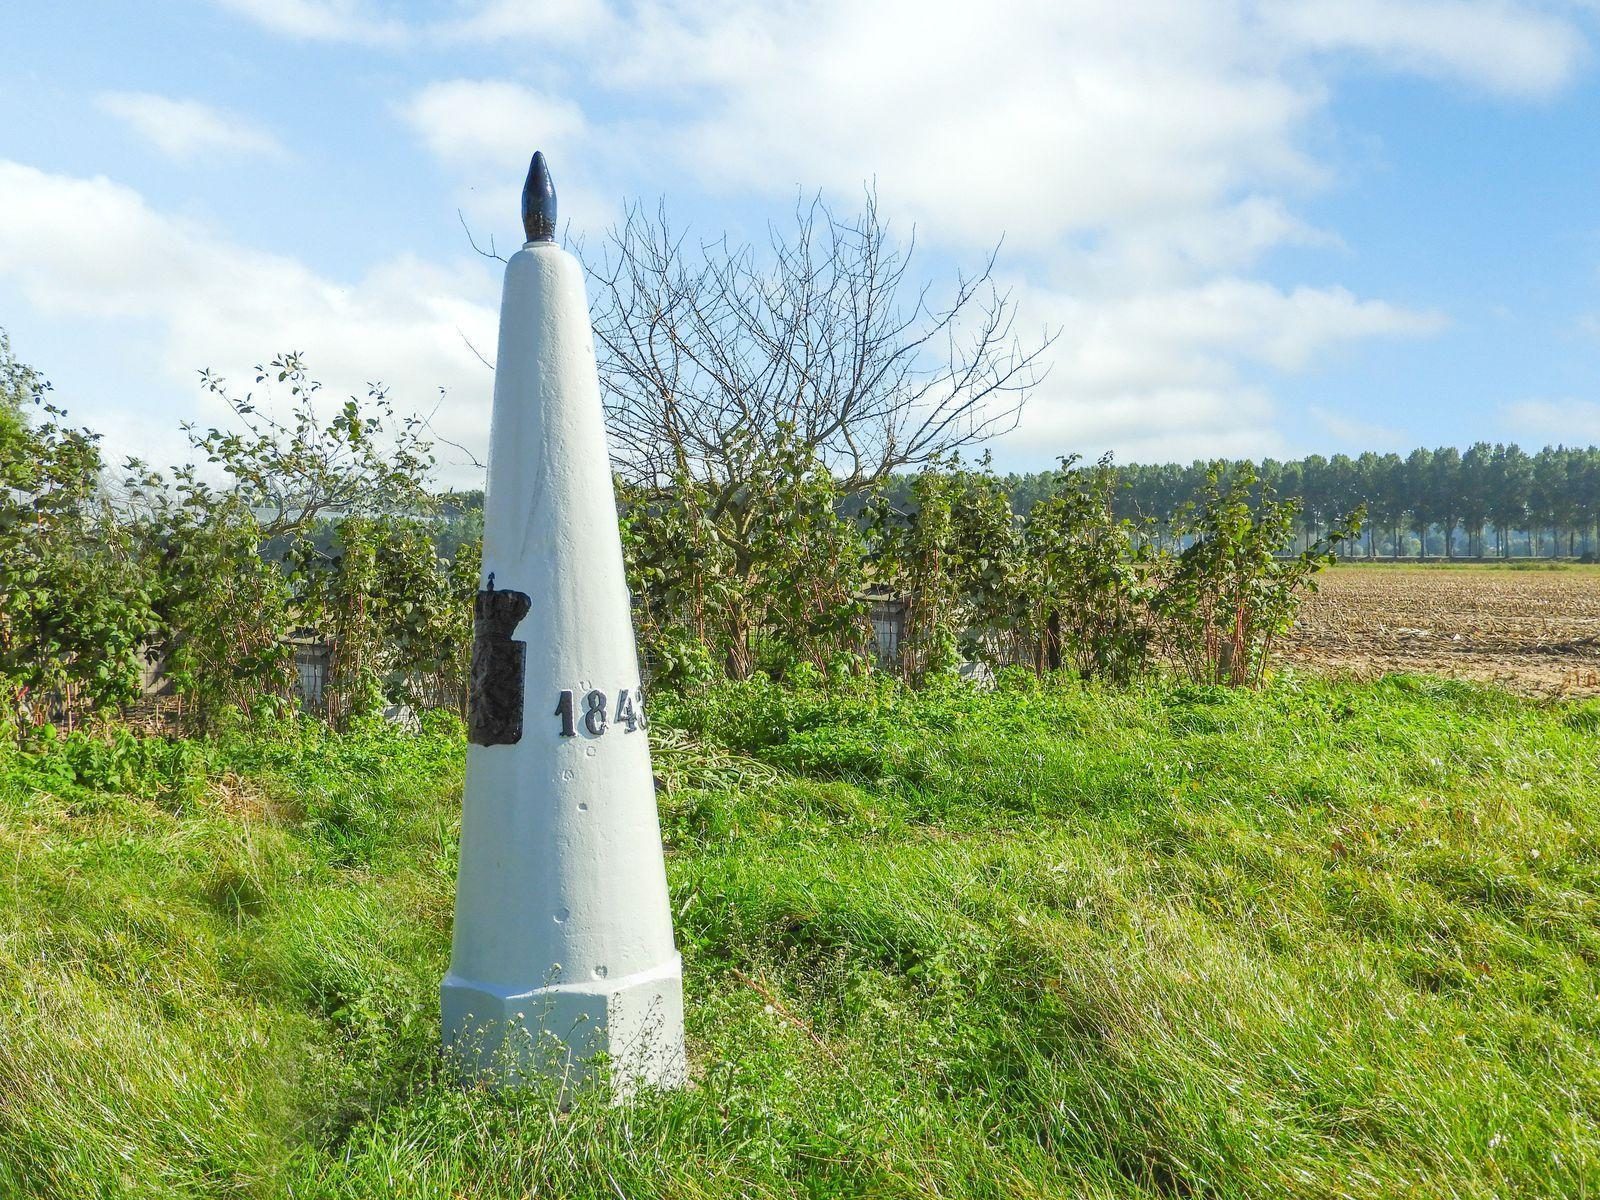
(1324, 940)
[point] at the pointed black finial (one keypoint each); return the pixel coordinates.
(539, 202)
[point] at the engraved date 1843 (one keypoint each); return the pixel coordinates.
(594, 713)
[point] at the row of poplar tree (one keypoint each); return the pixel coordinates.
(1490, 500)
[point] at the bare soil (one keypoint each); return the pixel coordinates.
(1534, 631)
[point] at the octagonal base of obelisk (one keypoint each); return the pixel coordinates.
(628, 1032)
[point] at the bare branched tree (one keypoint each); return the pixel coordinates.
(719, 360)
(821, 337)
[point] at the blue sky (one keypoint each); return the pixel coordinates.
(1270, 227)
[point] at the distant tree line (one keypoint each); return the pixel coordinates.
(1496, 500)
(1491, 500)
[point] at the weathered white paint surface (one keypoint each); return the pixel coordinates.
(563, 937)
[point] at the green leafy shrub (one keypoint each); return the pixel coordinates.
(1232, 592)
(75, 607)
(953, 553)
(1091, 577)
(766, 576)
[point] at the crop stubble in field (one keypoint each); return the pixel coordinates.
(1533, 631)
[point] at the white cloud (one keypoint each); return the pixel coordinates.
(1043, 120)
(1196, 244)
(1515, 47)
(485, 130)
(92, 248)
(1141, 161)
(363, 22)
(322, 20)
(489, 122)
(1568, 421)
(1355, 434)
(187, 129)
(1040, 121)
(1151, 424)
(1505, 47)
(1168, 372)
(545, 20)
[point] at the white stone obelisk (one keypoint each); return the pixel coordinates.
(563, 943)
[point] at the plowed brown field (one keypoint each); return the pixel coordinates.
(1533, 631)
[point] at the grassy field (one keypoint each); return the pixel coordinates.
(1326, 940)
